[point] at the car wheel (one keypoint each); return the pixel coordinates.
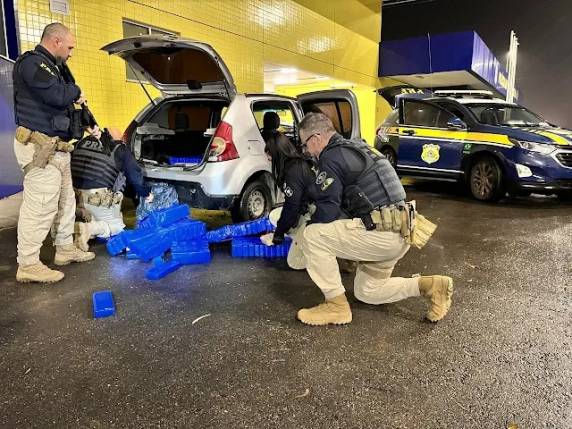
(486, 180)
(389, 153)
(255, 202)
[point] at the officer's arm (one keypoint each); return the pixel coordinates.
(132, 170)
(46, 85)
(293, 197)
(329, 190)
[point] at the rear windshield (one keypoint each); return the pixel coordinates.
(506, 114)
(178, 65)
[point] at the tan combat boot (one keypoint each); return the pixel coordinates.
(82, 235)
(69, 253)
(38, 273)
(334, 311)
(440, 290)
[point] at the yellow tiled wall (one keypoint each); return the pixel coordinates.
(337, 38)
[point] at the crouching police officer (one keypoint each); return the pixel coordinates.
(354, 180)
(101, 165)
(44, 104)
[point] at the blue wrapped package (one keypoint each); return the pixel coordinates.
(159, 271)
(244, 247)
(191, 252)
(103, 305)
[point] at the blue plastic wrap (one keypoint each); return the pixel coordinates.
(159, 271)
(191, 252)
(103, 305)
(245, 247)
(185, 160)
(150, 247)
(166, 217)
(243, 229)
(220, 234)
(115, 245)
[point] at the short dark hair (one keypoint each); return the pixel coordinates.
(316, 123)
(54, 29)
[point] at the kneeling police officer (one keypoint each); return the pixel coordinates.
(101, 165)
(44, 97)
(360, 215)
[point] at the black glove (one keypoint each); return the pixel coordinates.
(278, 239)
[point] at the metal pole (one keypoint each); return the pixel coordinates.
(512, 61)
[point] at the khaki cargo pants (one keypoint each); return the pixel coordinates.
(48, 203)
(376, 251)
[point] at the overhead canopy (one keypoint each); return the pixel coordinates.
(460, 60)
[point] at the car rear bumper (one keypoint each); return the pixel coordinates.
(193, 194)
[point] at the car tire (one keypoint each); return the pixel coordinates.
(390, 154)
(486, 180)
(255, 202)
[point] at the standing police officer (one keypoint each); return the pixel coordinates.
(357, 184)
(101, 165)
(44, 102)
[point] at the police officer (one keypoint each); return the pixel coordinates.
(101, 165)
(293, 173)
(356, 183)
(43, 102)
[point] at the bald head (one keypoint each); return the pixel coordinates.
(58, 40)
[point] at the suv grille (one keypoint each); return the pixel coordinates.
(565, 158)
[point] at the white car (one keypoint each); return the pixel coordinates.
(204, 137)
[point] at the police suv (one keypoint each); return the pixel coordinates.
(493, 146)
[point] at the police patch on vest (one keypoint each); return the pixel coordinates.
(327, 183)
(321, 178)
(430, 153)
(288, 191)
(49, 70)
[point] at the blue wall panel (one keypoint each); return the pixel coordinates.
(408, 56)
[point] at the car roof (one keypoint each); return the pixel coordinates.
(477, 101)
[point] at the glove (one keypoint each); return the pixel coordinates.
(268, 239)
(277, 239)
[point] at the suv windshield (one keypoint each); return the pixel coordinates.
(507, 115)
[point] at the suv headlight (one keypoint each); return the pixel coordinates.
(543, 148)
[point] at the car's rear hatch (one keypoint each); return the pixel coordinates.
(176, 66)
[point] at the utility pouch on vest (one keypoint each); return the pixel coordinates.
(61, 123)
(44, 149)
(23, 135)
(421, 229)
(65, 146)
(117, 198)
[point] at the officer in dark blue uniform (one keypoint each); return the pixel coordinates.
(360, 206)
(44, 105)
(294, 174)
(101, 165)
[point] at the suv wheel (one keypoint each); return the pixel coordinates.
(486, 180)
(255, 202)
(389, 153)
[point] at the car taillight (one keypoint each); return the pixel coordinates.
(222, 147)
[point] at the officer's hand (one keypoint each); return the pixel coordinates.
(277, 239)
(150, 198)
(95, 131)
(267, 239)
(81, 99)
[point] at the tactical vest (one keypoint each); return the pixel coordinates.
(30, 110)
(378, 181)
(93, 162)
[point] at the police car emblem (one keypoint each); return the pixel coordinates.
(430, 153)
(321, 178)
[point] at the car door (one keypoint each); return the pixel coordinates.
(176, 66)
(340, 105)
(430, 139)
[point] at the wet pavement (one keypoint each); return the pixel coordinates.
(504, 353)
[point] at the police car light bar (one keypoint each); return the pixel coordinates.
(464, 93)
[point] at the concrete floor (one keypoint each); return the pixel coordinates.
(504, 353)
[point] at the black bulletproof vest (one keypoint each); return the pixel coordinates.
(93, 162)
(30, 110)
(378, 181)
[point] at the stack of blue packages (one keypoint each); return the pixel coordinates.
(243, 229)
(191, 252)
(185, 160)
(246, 247)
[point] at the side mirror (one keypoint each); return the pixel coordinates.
(456, 124)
